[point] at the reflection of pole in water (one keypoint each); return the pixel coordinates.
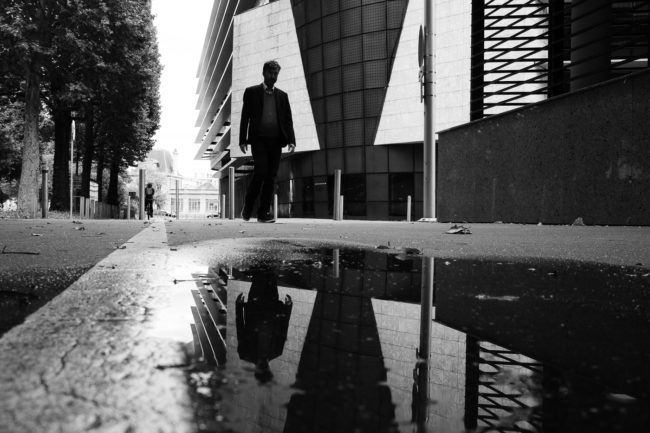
(337, 252)
(421, 371)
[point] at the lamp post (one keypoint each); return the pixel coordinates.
(427, 57)
(72, 133)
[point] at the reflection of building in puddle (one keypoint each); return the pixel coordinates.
(350, 360)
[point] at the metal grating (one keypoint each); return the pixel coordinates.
(524, 51)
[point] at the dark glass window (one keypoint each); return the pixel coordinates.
(351, 50)
(350, 22)
(353, 105)
(353, 77)
(331, 30)
(374, 17)
(400, 185)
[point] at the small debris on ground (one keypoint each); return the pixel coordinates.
(37, 234)
(459, 230)
(578, 222)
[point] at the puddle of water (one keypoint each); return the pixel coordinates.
(297, 338)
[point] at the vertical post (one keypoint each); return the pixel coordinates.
(408, 209)
(223, 206)
(128, 208)
(44, 204)
(72, 132)
(231, 191)
(340, 218)
(178, 203)
(337, 193)
(335, 259)
(141, 193)
(275, 206)
(426, 316)
(429, 113)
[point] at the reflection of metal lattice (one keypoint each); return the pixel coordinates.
(509, 395)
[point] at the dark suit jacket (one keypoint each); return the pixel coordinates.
(251, 115)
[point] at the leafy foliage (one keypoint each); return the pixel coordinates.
(102, 52)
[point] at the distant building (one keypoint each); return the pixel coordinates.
(198, 196)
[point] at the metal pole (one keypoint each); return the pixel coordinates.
(340, 208)
(426, 316)
(429, 112)
(337, 193)
(44, 204)
(141, 193)
(231, 191)
(408, 209)
(178, 203)
(275, 206)
(223, 206)
(72, 132)
(128, 208)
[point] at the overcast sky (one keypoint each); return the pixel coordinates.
(181, 30)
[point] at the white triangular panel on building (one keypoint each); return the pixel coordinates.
(402, 117)
(268, 32)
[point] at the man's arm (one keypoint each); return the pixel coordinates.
(245, 120)
(292, 136)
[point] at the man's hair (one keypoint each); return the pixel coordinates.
(271, 65)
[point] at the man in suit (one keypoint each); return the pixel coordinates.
(266, 125)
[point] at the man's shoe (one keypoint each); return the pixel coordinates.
(245, 216)
(265, 219)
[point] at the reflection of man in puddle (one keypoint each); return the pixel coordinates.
(262, 323)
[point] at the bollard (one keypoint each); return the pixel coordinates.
(275, 206)
(44, 204)
(337, 193)
(128, 208)
(340, 208)
(141, 192)
(408, 209)
(231, 191)
(223, 206)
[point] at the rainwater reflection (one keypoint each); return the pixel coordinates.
(346, 340)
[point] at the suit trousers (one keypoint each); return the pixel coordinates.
(266, 156)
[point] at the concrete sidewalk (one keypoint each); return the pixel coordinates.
(97, 358)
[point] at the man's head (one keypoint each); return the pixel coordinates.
(149, 185)
(270, 71)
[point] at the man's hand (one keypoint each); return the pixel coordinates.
(292, 147)
(244, 147)
(240, 299)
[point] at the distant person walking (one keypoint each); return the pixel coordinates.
(267, 125)
(149, 192)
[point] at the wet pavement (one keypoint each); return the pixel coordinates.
(306, 337)
(228, 326)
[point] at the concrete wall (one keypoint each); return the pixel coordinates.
(585, 154)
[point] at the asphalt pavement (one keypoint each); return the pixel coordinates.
(92, 352)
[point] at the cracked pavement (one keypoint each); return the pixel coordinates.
(87, 360)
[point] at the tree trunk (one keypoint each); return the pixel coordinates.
(31, 157)
(112, 196)
(61, 170)
(89, 150)
(100, 172)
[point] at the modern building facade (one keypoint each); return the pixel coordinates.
(352, 73)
